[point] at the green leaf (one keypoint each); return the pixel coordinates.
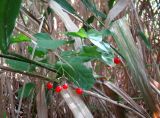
(91, 51)
(90, 19)
(81, 33)
(66, 6)
(145, 39)
(91, 6)
(98, 35)
(106, 33)
(28, 90)
(95, 35)
(42, 36)
(19, 65)
(110, 3)
(9, 10)
(39, 52)
(87, 53)
(4, 115)
(77, 73)
(45, 41)
(74, 57)
(108, 58)
(19, 38)
(50, 44)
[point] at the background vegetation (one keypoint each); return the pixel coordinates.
(109, 49)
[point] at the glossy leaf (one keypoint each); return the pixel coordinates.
(95, 35)
(28, 90)
(77, 73)
(107, 58)
(9, 10)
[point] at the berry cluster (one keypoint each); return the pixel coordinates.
(59, 88)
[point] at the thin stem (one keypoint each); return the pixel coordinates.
(113, 102)
(24, 59)
(28, 74)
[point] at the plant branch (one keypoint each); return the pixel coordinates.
(113, 102)
(23, 59)
(27, 73)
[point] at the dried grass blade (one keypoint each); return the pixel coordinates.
(77, 106)
(116, 10)
(129, 51)
(127, 98)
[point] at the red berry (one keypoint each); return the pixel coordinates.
(65, 86)
(79, 91)
(117, 60)
(58, 89)
(49, 85)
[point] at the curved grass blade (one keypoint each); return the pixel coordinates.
(129, 51)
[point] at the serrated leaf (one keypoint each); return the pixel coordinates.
(9, 10)
(74, 57)
(90, 51)
(28, 90)
(19, 38)
(45, 41)
(86, 53)
(77, 73)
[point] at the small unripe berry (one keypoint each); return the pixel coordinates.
(117, 60)
(58, 89)
(49, 85)
(65, 86)
(79, 91)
